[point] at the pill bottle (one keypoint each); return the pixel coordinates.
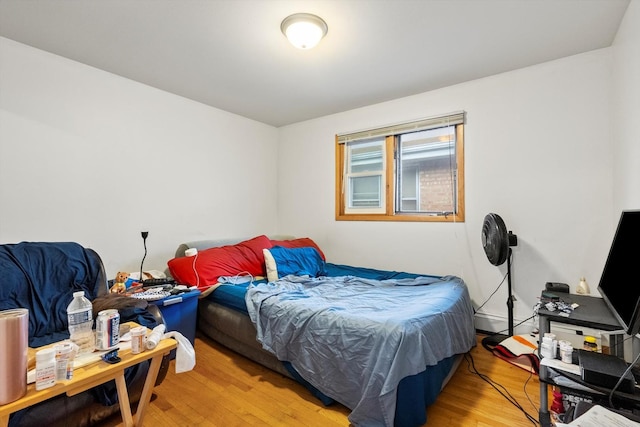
(549, 346)
(590, 343)
(45, 368)
(566, 351)
(64, 361)
(138, 339)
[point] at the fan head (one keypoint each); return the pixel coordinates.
(495, 239)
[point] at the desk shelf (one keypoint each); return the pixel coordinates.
(592, 312)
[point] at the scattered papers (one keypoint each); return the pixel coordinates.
(598, 416)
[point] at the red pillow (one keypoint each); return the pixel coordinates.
(298, 243)
(242, 258)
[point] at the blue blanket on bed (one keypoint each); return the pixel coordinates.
(354, 339)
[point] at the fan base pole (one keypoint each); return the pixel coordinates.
(494, 340)
(510, 310)
(510, 299)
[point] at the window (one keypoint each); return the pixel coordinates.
(407, 172)
(365, 178)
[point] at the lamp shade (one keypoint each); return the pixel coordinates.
(304, 30)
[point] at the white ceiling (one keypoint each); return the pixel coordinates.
(231, 54)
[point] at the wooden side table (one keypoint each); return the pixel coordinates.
(98, 373)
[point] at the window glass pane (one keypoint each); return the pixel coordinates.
(366, 156)
(409, 189)
(365, 192)
(427, 171)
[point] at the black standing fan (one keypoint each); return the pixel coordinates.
(497, 242)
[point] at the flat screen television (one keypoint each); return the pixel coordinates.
(620, 281)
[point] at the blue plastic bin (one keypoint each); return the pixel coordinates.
(179, 312)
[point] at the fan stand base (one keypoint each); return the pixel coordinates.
(493, 340)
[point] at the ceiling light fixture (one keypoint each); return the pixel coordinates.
(304, 30)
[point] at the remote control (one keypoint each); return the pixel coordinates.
(157, 282)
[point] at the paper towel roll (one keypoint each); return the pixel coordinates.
(155, 336)
(14, 340)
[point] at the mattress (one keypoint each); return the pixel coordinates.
(232, 295)
(414, 392)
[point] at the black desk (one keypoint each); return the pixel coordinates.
(592, 313)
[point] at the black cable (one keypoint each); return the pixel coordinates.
(618, 344)
(492, 294)
(498, 387)
(524, 388)
(144, 242)
(624, 374)
(515, 326)
(496, 290)
(604, 391)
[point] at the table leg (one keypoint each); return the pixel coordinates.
(149, 383)
(4, 420)
(543, 414)
(123, 398)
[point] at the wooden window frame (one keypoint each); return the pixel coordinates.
(390, 214)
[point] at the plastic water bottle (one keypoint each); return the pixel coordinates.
(80, 317)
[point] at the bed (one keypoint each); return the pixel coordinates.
(382, 343)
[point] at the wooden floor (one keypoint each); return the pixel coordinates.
(225, 389)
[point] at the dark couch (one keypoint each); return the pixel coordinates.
(42, 277)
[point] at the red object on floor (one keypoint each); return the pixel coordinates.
(557, 406)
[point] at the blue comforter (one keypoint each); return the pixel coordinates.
(354, 339)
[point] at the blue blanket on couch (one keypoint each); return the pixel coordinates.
(42, 276)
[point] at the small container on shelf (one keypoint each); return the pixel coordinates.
(590, 343)
(566, 351)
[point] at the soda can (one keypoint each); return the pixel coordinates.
(107, 329)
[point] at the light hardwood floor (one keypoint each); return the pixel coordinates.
(225, 389)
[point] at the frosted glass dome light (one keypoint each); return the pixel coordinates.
(304, 30)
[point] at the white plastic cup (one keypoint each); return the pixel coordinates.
(138, 339)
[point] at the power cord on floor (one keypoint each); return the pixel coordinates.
(514, 326)
(499, 388)
(524, 388)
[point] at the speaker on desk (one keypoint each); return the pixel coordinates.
(604, 370)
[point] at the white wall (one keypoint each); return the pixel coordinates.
(626, 111)
(91, 157)
(536, 153)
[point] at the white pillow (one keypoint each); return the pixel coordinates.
(270, 264)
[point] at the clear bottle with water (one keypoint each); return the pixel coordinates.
(80, 318)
